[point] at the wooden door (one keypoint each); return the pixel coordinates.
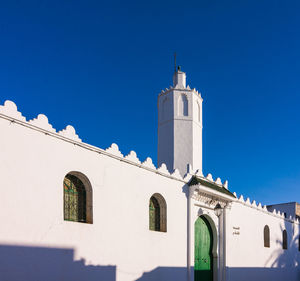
(203, 268)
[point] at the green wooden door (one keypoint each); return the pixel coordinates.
(203, 270)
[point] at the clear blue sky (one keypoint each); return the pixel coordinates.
(99, 66)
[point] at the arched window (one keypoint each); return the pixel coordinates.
(157, 213)
(266, 236)
(284, 240)
(183, 105)
(77, 198)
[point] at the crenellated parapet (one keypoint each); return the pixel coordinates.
(171, 88)
(9, 111)
(263, 208)
(70, 133)
(42, 121)
(209, 178)
(240, 200)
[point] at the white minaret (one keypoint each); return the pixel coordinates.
(180, 126)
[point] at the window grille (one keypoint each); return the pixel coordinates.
(154, 214)
(74, 199)
(266, 236)
(157, 213)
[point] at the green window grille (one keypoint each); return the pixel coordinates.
(74, 199)
(154, 214)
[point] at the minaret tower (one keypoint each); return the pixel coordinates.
(180, 126)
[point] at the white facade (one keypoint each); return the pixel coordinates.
(180, 126)
(36, 243)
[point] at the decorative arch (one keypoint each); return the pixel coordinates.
(284, 240)
(157, 213)
(266, 236)
(183, 105)
(78, 198)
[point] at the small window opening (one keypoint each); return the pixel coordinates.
(284, 240)
(266, 236)
(157, 213)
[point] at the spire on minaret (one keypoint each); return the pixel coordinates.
(179, 78)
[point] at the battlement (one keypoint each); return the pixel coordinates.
(10, 112)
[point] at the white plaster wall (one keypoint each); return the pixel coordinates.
(183, 145)
(180, 143)
(179, 137)
(197, 133)
(33, 166)
(188, 134)
(246, 254)
(118, 245)
(165, 145)
(183, 142)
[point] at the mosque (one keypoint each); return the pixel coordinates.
(73, 211)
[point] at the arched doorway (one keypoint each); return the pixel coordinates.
(203, 267)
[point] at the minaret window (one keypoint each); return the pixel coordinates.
(183, 105)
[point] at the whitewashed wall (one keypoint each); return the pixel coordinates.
(33, 165)
(37, 244)
(180, 126)
(247, 257)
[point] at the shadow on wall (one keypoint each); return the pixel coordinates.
(262, 274)
(165, 274)
(233, 274)
(289, 258)
(18, 263)
(283, 265)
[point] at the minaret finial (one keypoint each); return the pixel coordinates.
(175, 62)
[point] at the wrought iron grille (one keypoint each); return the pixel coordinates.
(74, 199)
(154, 214)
